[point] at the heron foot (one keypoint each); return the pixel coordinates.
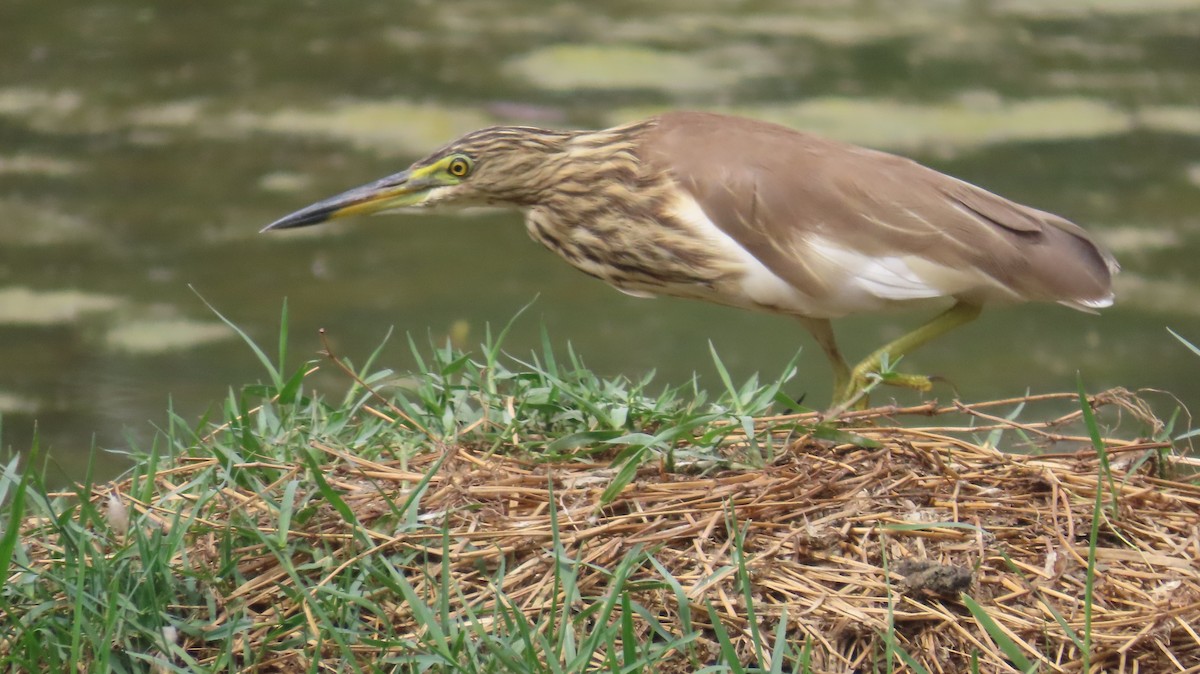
(879, 367)
(855, 392)
(916, 382)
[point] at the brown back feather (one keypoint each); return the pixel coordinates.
(769, 187)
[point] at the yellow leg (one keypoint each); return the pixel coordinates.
(822, 331)
(955, 316)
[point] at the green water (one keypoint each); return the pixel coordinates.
(143, 145)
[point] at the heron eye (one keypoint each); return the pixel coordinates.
(459, 167)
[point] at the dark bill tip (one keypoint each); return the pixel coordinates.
(362, 200)
(312, 215)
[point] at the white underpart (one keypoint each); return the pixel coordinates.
(852, 281)
(890, 277)
(643, 294)
(760, 287)
(1089, 306)
(879, 281)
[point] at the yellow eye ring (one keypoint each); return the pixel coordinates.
(458, 167)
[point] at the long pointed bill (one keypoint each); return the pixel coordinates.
(406, 188)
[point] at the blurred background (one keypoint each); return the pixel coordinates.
(143, 145)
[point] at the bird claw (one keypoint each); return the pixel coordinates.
(855, 394)
(916, 382)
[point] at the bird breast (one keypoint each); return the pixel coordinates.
(637, 252)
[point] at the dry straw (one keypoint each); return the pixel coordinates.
(821, 523)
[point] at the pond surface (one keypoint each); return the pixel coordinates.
(143, 145)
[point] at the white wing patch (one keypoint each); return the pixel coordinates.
(759, 287)
(851, 281)
(637, 293)
(889, 278)
(1089, 306)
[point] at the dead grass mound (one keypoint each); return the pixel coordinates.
(848, 537)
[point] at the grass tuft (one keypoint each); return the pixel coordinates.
(491, 513)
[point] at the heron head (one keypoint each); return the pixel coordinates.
(501, 165)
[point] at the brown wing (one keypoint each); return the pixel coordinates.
(774, 190)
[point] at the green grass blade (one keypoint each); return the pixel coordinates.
(908, 659)
(780, 647)
(746, 586)
(276, 377)
(1089, 590)
(333, 497)
(16, 513)
(1192, 347)
(999, 637)
(728, 652)
(723, 373)
(601, 613)
(283, 335)
(1089, 420)
(682, 605)
(1062, 622)
(624, 476)
(287, 507)
(629, 654)
(493, 346)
